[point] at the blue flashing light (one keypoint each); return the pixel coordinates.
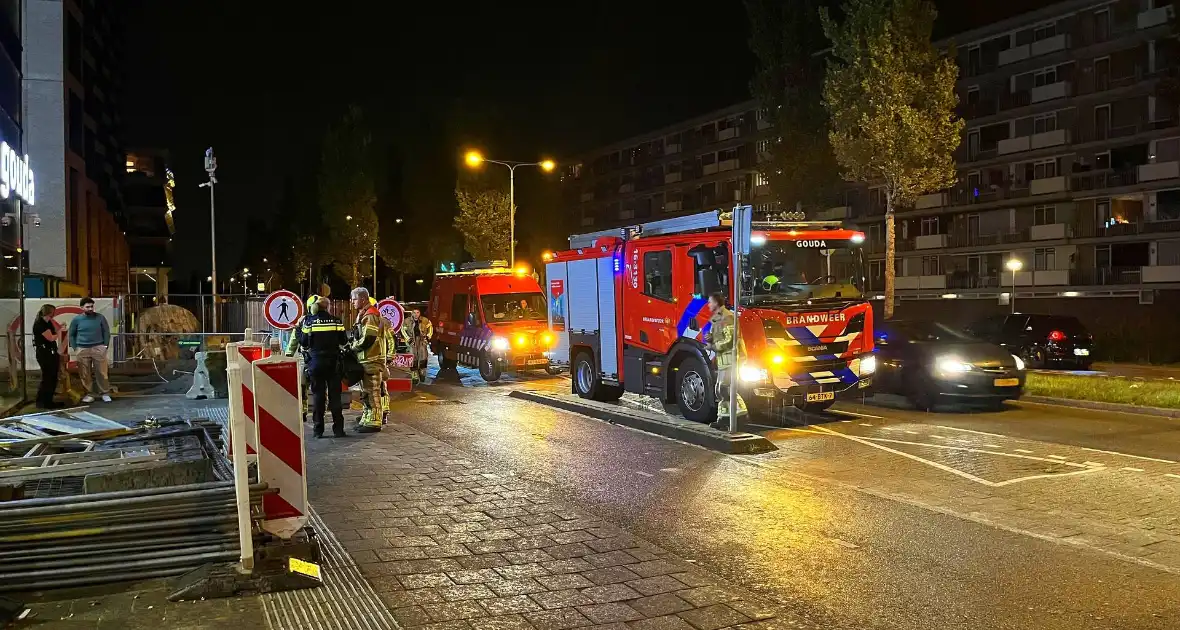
(618, 264)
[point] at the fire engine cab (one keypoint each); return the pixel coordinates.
(489, 316)
(629, 312)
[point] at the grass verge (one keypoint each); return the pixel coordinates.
(1124, 391)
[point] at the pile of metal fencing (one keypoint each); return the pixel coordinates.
(78, 540)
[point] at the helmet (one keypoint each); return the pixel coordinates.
(312, 300)
(372, 301)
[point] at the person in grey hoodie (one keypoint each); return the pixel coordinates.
(90, 335)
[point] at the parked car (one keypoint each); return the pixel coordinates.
(929, 362)
(1041, 340)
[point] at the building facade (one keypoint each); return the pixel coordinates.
(148, 204)
(11, 133)
(71, 115)
(705, 163)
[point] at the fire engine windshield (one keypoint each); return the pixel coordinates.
(512, 307)
(791, 270)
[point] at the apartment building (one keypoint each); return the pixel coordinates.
(1070, 163)
(700, 164)
(71, 87)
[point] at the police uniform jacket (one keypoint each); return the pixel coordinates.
(321, 335)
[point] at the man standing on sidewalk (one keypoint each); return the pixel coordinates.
(369, 345)
(90, 335)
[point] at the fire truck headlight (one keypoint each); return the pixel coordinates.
(500, 343)
(868, 365)
(752, 374)
(546, 339)
(522, 341)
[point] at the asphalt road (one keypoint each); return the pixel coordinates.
(875, 516)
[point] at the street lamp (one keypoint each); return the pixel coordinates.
(474, 159)
(1014, 265)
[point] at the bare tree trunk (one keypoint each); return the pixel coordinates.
(401, 285)
(890, 254)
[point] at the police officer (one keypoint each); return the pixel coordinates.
(321, 336)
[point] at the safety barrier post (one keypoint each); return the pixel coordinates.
(237, 432)
(282, 460)
(243, 354)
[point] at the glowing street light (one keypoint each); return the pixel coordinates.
(1014, 265)
(474, 159)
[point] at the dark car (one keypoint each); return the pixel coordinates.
(928, 362)
(1041, 340)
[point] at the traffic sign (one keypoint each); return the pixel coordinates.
(392, 312)
(282, 309)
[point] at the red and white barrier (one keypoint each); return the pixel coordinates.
(237, 433)
(244, 353)
(282, 462)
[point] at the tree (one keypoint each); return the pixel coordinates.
(799, 166)
(891, 97)
(347, 193)
(483, 222)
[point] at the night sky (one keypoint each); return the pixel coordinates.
(519, 80)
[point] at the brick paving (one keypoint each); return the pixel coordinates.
(451, 544)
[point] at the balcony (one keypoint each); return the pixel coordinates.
(1043, 93)
(763, 124)
(727, 165)
(1047, 185)
(1012, 55)
(919, 282)
(934, 200)
(709, 169)
(587, 196)
(671, 149)
(835, 213)
(1042, 278)
(1105, 276)
(930, 241)
(985, 240)
(727, 134)
(761, 190)
(1159, 170)
(1050, 232)
(626, 188)
(1054, 138)
(1098, 180)
(1162, 273)
(1050, 45)
(1013, 145)
(671, 178)
(672, 206)
(1155, 17)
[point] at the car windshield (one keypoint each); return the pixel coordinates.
(925, 331)
(792, 270)
(505, 307)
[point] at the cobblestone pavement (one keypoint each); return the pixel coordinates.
(451, 544)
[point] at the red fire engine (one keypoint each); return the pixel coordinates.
(629, 312)
(489, 316)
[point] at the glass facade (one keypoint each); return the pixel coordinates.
(10, 132)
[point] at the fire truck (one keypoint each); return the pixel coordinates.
(629, 312)
(489, 316)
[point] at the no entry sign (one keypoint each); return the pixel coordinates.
(392, 312)
(282, 309)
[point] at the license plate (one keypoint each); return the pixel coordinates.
(538, 362)
(821, 396)
(1081, 352)
(1007, 382)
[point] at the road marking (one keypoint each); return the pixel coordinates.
(1020, 450)
(844, 543)
(1172, 476)
(937, 465)
(1093, 464)
(975, 450)
(991, 445)
(644, 474)
(1055, 457)
(1046, 476)
(912, 432)
(940, 426)
(669, 470)
(1128, 468)
(1147, 459)
(856, 414)
(865, 424)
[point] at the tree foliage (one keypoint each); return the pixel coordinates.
(483, 222)
(784, 36)
(347, 194)
(891, 98)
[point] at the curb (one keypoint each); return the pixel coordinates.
(692, 433)
(1159, 412)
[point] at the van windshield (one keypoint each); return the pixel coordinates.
(510, 307)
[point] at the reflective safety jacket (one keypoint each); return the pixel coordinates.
(370, 336)
(721, 338)
(414, 330)
(321, 335)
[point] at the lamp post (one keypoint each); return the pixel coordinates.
(211, 169)
(1013, 265)
(474, 159)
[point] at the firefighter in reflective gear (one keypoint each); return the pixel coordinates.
(416, 332)
(369, 344)
(321, 336)
(721, 339)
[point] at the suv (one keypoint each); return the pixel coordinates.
(1041, 340)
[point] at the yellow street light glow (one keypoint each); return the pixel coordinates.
(473, 158)
(1014, 264)
(548, 165)
(522, 270)
(546, 255)
(348, 217)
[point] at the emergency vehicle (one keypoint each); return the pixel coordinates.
(629, 312)
(490, 317)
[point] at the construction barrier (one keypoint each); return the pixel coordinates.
(237, 434)
(282, 463)
(244, 354)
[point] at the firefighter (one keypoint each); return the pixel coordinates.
(321, 336)
(721, 338)
(417, 331)
(369, 345)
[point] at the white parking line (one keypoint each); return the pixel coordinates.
(1148, 459)
(939, 426)
(1172, 476)
(644, 474)
(1055, 457)
(865, 424)
(1021, 450)
(1131, 469)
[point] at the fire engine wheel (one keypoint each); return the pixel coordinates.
(585, 377)
(489, 369)
(694, 391)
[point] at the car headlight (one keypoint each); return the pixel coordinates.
(752, 374)
(500, 343)
(952, 365)
(868, 365)
(1019, 362)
